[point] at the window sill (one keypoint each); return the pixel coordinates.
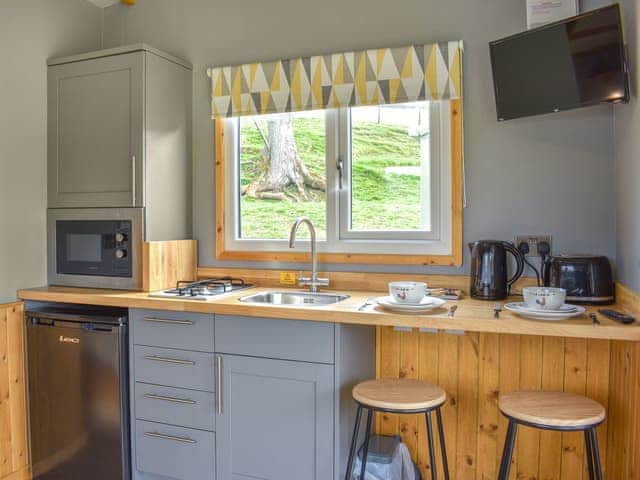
(453, 260)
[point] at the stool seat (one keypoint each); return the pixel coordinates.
(399, 394)
(552, 409)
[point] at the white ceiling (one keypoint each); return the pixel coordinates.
(103, 3)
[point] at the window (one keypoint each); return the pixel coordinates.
(377, 181)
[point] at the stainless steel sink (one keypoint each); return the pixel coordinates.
(294, 298)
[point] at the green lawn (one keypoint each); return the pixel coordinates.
(381, 200)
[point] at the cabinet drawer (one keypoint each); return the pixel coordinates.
(175, 452)
(282, 339)
(174, 368)
(158, 328)
(175, 406)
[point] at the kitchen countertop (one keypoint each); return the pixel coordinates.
(472, 315)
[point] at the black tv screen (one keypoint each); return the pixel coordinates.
(573, 63)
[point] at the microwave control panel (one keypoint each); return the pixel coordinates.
(121, 250)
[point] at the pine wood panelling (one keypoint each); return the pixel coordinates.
(168, 262)
(488, 417)
(597, 388)
(14, 454)
(623, 455)
(552, 380)
(575, 362)
(362, 281)
(474, 368)
(448, 362)
(628, 299)
(467, 404)
(509, 368)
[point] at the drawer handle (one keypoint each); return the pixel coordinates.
(164, 320)
(185, 401)
(178, 361)
(173, 438)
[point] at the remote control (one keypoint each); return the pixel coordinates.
(617, 316)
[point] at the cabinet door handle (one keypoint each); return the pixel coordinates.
(218, 385)
(133, 180)
(178, 361)
(173, 438)
(164, 320)
(185, 401)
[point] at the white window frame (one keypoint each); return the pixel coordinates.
(339, 239)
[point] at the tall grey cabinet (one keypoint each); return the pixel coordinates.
(119, 135)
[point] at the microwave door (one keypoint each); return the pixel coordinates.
(92, 247)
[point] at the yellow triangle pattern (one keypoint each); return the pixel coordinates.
(367, 77)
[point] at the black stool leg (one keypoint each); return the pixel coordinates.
(595, 451)
(507, 452)
(587, 442)
(432, 454)
(443, 447)
(367, 436)
(354, 442)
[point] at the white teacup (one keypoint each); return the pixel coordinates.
(407, 292)
(544, 298)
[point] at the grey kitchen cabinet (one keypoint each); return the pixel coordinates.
(172, 382)
(119, 135)
(173, 452)
(262, 397)
(96, 132)
(275, 419)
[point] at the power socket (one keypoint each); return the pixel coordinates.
(533, 241)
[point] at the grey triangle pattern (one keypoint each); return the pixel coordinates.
(420, 54)
(384, 90)
(441, 84)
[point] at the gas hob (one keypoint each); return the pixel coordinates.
(203, 290)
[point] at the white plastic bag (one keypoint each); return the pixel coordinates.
(400, 468)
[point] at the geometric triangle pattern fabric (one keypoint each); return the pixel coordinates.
(368, 77)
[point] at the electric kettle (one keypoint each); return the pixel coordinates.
(489, 277)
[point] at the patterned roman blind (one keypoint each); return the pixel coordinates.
(368, 77)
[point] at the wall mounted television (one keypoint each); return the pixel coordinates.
(577, 62)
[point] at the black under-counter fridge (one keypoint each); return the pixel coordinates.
(78, 393)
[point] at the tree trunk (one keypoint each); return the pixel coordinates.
(283, 165)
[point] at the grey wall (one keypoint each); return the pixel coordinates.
(30, 32)
(550, 174)
(627, 141)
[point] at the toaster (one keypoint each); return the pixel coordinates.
(587, 279)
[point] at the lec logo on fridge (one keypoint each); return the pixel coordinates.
(63, 339)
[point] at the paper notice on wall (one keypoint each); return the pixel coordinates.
(541, 12)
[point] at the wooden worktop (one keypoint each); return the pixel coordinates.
(472, 315)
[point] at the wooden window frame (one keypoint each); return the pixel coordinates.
(453, 259)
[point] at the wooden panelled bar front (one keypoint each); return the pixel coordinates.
(474, 368)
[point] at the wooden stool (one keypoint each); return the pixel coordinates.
(552, 411)
(398, 396)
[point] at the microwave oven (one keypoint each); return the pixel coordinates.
(95, 247)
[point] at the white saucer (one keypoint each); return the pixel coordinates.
(516, 308)
(566, 308)
(426, 304)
